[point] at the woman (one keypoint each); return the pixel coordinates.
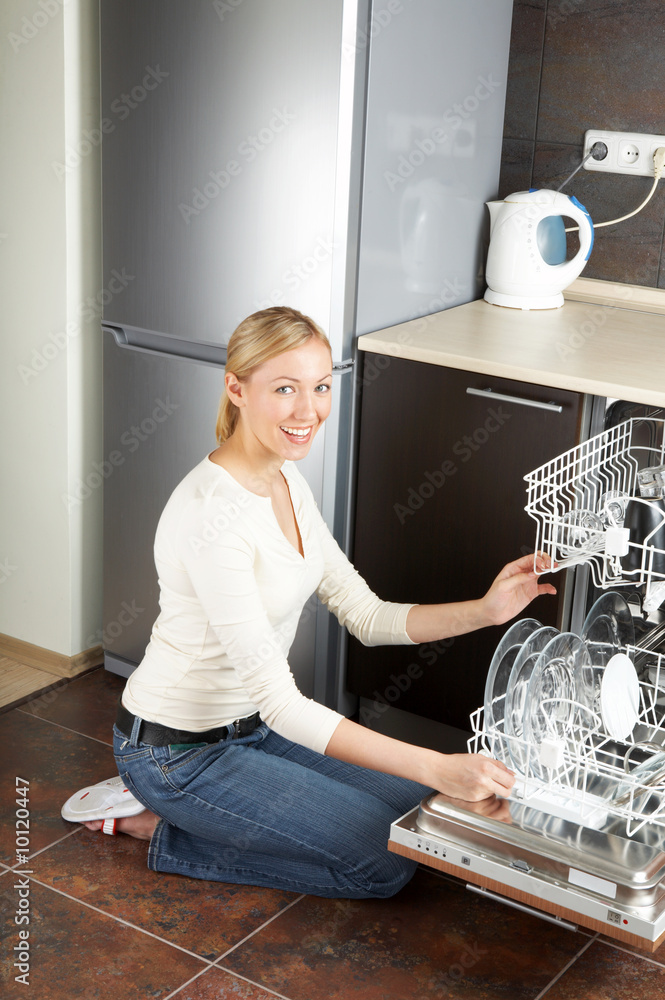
(227, 769)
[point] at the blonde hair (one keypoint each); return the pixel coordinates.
(260, 337)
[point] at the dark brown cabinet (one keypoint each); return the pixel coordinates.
(440, 509)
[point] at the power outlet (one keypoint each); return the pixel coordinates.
(627, 152)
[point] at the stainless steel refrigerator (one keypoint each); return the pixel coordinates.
(331, 155)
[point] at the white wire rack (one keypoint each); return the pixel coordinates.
(579, 772)
(571, 500)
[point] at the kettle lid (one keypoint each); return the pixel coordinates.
(538, 196)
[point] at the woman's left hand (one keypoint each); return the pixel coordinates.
(515, 587)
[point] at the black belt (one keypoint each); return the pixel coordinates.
(157, 735)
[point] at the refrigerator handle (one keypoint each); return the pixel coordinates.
(135, 338)
(166, 344)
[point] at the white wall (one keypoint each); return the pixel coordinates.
(50, 374)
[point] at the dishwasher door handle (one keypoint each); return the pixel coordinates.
(521, 906)
(552, 407)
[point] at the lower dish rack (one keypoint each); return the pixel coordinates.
(581, 773)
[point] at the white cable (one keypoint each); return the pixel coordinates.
(658, 162)
(612, 222)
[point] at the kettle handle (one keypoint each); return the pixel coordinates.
(578, 212)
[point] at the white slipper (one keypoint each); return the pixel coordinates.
(107, 800)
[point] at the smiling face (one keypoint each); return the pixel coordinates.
(283, 402)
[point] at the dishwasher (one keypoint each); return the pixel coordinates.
(578, 716)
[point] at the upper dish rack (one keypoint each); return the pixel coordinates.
(568, 499)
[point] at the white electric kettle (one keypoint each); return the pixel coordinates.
(526, 261)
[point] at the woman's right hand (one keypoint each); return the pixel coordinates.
(467, 776)
(471, 777)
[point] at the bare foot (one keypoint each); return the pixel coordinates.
(142, 826)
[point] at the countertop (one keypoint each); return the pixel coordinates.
(597, 347)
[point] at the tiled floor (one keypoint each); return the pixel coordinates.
(101, 924)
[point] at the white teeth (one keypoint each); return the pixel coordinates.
(297, 431)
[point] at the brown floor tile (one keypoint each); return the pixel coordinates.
(656, 956)
(110, 873)
(86, 704)
(56, 763)
(77, 953)
(433, 940)
(606, 973)
(219, 985)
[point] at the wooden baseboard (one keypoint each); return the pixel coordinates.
(48, 660)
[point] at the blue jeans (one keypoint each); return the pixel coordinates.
(261, 810)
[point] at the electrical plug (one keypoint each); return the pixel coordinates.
(658, 161)
(598, 151)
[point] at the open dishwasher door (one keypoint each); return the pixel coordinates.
(581, 838)
(555, 868)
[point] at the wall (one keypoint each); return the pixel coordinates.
(50, 547)
(576, 65)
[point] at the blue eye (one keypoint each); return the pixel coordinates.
(324, 387)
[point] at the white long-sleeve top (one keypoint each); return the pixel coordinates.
(232, 589)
